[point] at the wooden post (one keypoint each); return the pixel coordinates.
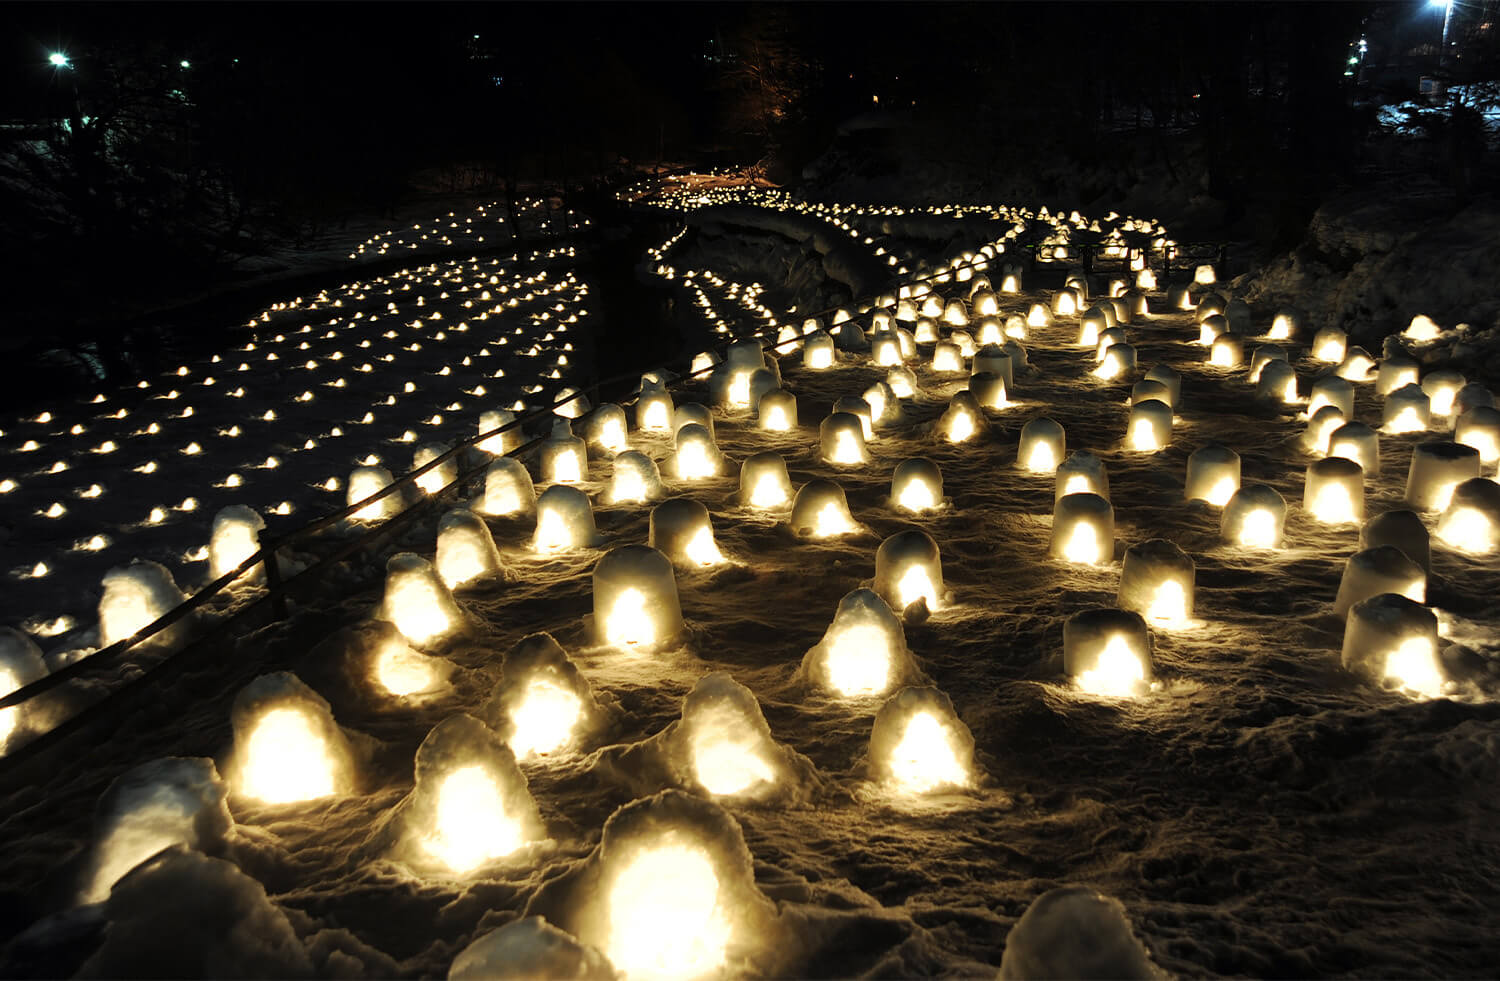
(273, 581)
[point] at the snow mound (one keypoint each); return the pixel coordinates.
(543, 704)
(528, 948)
(1074, 932)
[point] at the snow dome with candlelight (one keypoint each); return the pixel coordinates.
(607, 428)
(634, 479)
(501, 442)
(1358, 442)
(439, 476)
(1406, 410)
(563, 457)
(919, 745)
(635, 600)
(136, 596)
(820, 510)
(777, 411)
(841, 439)
(962, 419)
(469, 804)
(863, 652)
(1331, 390)
(1042, 446)
(1334, 491)
(1382, 569)
(681, 530)
(653, 411)
(370, 480)
(1436, 468)
(1108, 652)
(917, 485)
(1156, 581)
(1254, 517)
(287, 747)
(1213, 474)
(543, 706)
(764, 483)
(564, 520)
(909, 571)
(1480, 428)
(235, 537)
(508, 489)
(1083, 529)
(1392, 641)
(1081, 473)
(465, 548)
(417, 601)
(1471, 522)
(21, 664)
(696, 456)
(818, 351)
(1150, 426)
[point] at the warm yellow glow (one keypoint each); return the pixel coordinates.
(552, 532)
(694, 462)
(739, 389)
(544, 719)
(1037, 316)
(1486, 444)
(432, 481)
(1223, 489)
(629, 623)
(768, 492)
(1258, 530)
(1078, 484)
(1443, 495)
(1222, 356)
(628, 485)
(1043, 459)
(1168, 605)
(1143, 436)
(917, 495)
(402, 671)
(1333, 504)
(915, 584)
(567, 466)
(665, 918)
(462, 560)
(776, 420)
(960, 427)
(361, 486)
(1108, 368)
(831, 521)
(285, 759)
(947, 359)
(1422, 328)
(1330, 349)
(612, 434)
(1083, 545)
(1067, 306)
(925, 758)
(471, 824)
(1414, 665)
(817, 358)
(1117, 672)
(1207, 332)
(728, 753)
(657, 416)
(416, 608)
(846, 449)
(1467, 529)
(1281, 329)
(701, 548)
(10, 717)
(858, 663)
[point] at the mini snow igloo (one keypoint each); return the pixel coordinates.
(902, 382)
(1108, 652)
(1356, 366)
(1038, 316)
(1170, 377)
(1320, 427)
(1143, 390)
(909, 570)
(764, 483)
(1150, 426)
(1334, 491)
(696, 456)
(954, 314)
(365, 481)
(564, 520)
(988, 390)
(858, 407)
(946, 357)
(1422, 328)
(1179, 298)
(137, 595)
(469, 804)
(287, 748)
(821, 510)
(919, 745)
(439, 476)
(1210, 328)
(692, 412)
(1227, 351)
(1065, 302)
(1265, 354)
(1083, 529)
(1442, 388)
(507, 488)
(681, 530)
(1400, 529)
(528, 948)
(1288, 325)
(500, 443)
(1091, 326)
(1471, 522)
(235, 537)
(543, 705)
(635, 479)
(1277, 383)
(863, 652)
(1392, 641)
(1254, 517)
(1213, 474)
(962, 419)
(990, 331)
(917, 485)
(777, 411)
(1395, 372)
(1331, 390)
(1437, 468)
(926, 331)
(568, 404)
(1118, 361)
(1156, 581)
(885, 349)
(608, 429)
(966, 345)
(1081, 473)
(395, 668)
(417, 601)
(818, 351)
(668, 892)
(1043, 443)
(723, 746)
(1358, 442)
(882, 402)
(993, 358)
(20, 664)
(842, 439)
(1480, 428)
(1075, 932)
(1382, 569)
(635, 599)
(653, 411)
(465, 548)
(563, 457)
(1330, 345)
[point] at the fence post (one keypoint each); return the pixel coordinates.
(273, 581)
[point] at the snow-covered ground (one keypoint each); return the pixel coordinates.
(1255, 809)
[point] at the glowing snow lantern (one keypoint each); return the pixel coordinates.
(1150, 426)
(1329, 345)
(653, 412)
(1383, 569)
(1065, 303)
(1228, 351)
(1321, 426)
(1254, 517)
(564, 520)
(235, 537)
(917, 485)
(886, 350)
(919, 745)
(1392, 641)
(989, 331)
(988, 390)
(635, 599)
(1204, 275)
(696, 456)
(1180, 298)
(926, 331)
(1210, 305)
(993, 359)
(818, 351)
(507, 488)
(724, 746)
(287, 747)
(692, 412)
(1334, 492)
(439, 476)
(635, 479)
(469, 803)
(909, 570)
(1480, 428)
(1358, 442)
(1107, 338)
(1091, 327)
(1356, 365)
(1211, 328)
(543, 704)
(1081, 473)
(954, 314)
(902, 382)
(1083, 529)
(1422, 328)
(1400, 529)
(1156, 581)
(569, 404)
(1043, 443)
(962, 419)
(777, 411)
(365, 481)
(417, 601)
(882, 403)
(1010, 282)
(842, 439)
(1119, 360)
(20, 664)
(1288, 323)
(946, 357)
(966, 346)
(764, 483)
(1437, 468)
(1442, 388)
(820, 510)
(607, 428)
(1169, 377)
(1038, 316)
(702, 363)
(465, 548)
(1108, 652)
(863, 652)
(1213, 475)
(500, 443)
(135, 596)
(1145, 279)
(563, 457)
(1471, 522)
(681, 530)
(986, 303)
(1396, 372)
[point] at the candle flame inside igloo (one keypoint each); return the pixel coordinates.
(1117, 672)
(286, 760)
(544, 719)
(402, 671)
(472, 824)
(665, 918)
(1413, 664)
(924, 759)
(855, 662)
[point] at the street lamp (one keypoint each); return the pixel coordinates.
(58, 60)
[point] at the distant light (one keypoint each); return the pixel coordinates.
(184, 63)
(1440, 3)
(59, 59)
